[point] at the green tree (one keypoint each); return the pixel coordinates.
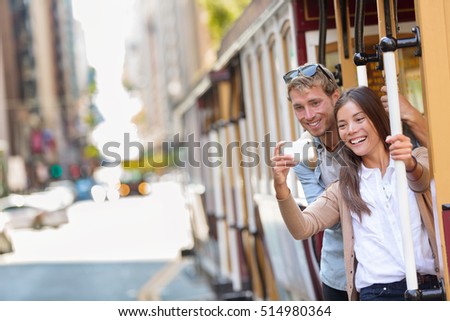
(221, 15)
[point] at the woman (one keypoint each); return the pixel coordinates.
(365, 202)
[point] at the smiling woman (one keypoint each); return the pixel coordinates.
(356, 130)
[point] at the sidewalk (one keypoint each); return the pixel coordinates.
(178, 281)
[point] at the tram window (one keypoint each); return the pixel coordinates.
(250, 108)
(410, 83)
(255, 129)
(290, 61)
(331, 55)
(273, 58)
(374, 76)
(290, 58)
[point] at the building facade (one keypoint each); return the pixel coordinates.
(42, 88)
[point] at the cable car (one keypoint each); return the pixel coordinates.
(239, 111)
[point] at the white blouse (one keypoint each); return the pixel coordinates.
(378, 239)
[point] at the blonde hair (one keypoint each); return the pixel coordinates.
(319, 79)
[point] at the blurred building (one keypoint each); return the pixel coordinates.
(42, 88)
(85, 118)
(168, 50)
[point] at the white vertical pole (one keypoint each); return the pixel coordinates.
(248, 187)
(232, 231)
(219, 210)
(361, 72)
(400, 171)
(237, 177)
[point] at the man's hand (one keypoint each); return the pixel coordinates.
(281, 164)
(411, 116)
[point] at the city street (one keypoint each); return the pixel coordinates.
(107, 251)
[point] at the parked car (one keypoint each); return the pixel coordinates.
(35, 210)
(66, 190)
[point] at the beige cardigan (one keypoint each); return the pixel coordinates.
(329, 208)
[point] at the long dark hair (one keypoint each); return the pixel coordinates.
(349, 177)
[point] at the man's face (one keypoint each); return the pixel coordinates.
(314, 109)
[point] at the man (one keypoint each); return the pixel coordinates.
(313, 92)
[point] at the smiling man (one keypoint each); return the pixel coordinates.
(313, 92)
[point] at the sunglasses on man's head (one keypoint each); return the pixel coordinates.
(307, 71)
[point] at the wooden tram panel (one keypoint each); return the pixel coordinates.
(345, 50)
(435, 31)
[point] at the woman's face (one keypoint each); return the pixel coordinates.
(356, 129)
